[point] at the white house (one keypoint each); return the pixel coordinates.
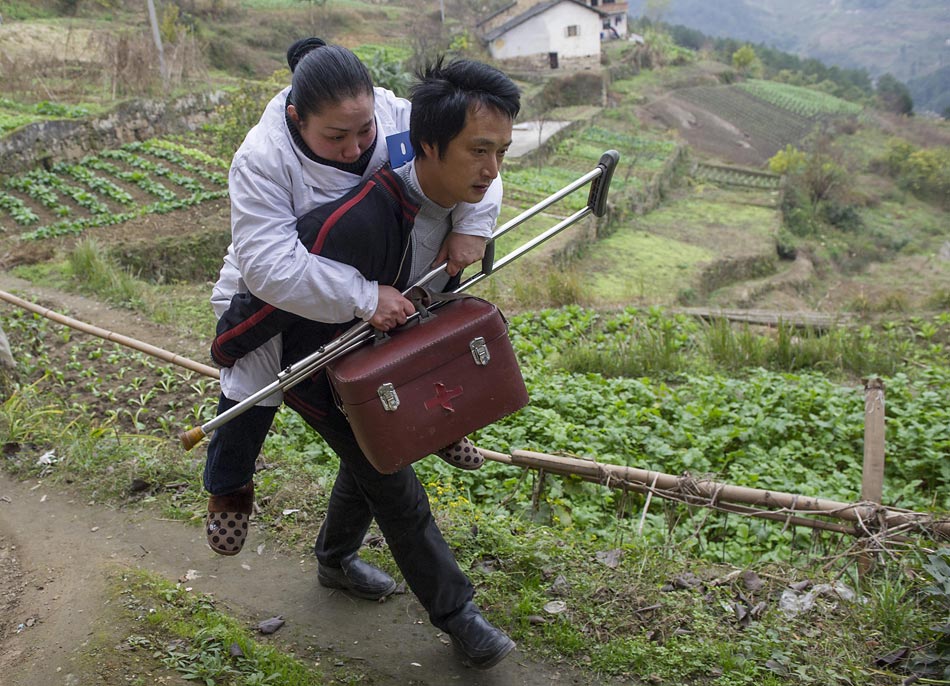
(554, 33)
(615, 18)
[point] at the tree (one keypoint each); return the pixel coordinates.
(313, 4)
(745, 60)
(893, 96)
(157, 37)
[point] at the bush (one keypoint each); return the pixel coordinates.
(786, 246)
(788, 161)
(241, 112)
(924, 172)
(842, 216)
(798, 215)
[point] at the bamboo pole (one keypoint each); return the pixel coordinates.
(146, 348)
(704, 491)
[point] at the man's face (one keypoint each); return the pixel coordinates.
(472, 159)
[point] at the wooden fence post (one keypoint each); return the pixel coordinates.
(872, 474)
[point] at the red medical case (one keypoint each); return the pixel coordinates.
(426, 385)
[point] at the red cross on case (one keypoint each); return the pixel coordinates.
(443, 396)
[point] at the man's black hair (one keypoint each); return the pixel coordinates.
(324, 75)
(444, 95)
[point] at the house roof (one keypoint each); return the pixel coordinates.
(534, 11)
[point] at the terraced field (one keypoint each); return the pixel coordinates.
(747, 123)
(769, 126)
(109, 188)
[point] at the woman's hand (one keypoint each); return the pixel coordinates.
(392, 309)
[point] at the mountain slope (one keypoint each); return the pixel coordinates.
(906, 39)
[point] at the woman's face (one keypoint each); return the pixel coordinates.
(340, 132)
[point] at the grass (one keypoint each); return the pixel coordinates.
(661, 347)
(164, 627)
(639, 266)
(91, 270)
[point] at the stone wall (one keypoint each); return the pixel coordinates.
(59, 140)
(539, 64)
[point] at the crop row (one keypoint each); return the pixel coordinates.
(805, 102)
(761, 120)
(641, 158)
(116, 185)
(738, 177)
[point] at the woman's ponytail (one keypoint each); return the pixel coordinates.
(296, 51)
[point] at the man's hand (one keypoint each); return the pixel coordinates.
(392, 309)
(460, 250)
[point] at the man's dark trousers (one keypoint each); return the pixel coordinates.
(397, 501)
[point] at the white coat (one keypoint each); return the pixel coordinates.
(271, 184)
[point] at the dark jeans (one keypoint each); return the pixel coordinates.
(234, 447)
(397, 501)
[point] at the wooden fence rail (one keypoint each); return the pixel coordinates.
(866, 517)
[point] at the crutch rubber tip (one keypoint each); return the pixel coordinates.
(189, 439)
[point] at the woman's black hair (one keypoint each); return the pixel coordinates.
(296, 51)
(324, 75)
(445, 93)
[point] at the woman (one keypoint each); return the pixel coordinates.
(316, 140)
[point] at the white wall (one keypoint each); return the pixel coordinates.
(547, 32)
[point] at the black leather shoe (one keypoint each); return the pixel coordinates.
(357, 577)
(482, 645)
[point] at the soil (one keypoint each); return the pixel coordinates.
(706, 133)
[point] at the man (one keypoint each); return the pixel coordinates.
(460, 130)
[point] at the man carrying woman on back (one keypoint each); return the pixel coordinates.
(315, 143)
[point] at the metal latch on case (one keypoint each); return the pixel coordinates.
(387, 394)
(479, 349)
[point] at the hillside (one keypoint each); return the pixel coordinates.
(907, 40)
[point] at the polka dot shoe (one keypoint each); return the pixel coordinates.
(228, 519)
(463, 455)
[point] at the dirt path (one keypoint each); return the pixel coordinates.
(56, 555)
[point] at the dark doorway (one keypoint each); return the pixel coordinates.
(552, 58)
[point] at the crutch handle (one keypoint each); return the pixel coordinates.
(189, 439)
(597, 199)
(488, 261)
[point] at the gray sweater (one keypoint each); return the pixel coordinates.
(432, 225)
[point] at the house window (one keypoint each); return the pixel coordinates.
(572, 30)
(594, 3)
